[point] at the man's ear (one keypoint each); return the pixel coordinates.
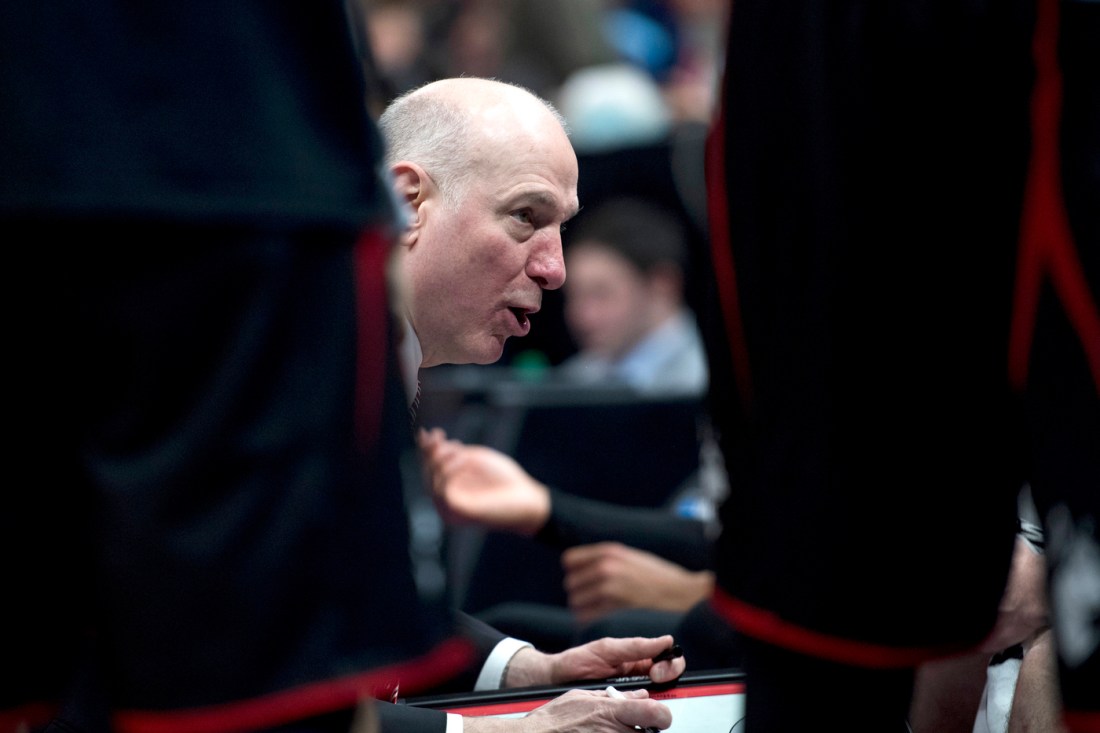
(413, 187)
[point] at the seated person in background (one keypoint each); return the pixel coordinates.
(624, 301)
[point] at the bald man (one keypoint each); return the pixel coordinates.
(488, 177)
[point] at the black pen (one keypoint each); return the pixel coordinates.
(672, 652)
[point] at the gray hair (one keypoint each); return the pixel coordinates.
(433, 130)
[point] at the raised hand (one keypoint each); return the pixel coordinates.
(473, 484)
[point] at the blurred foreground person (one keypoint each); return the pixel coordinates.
(905, 239)
(209, 402)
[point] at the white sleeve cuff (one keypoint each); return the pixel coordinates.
(454, 723)
(492, 672)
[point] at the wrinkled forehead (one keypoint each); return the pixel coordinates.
(521, 124)
(538, 159)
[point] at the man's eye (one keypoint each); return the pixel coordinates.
(523, 215)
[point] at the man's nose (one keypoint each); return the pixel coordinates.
(546, 266)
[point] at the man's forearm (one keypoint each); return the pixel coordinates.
(576, 520)
(527, 668)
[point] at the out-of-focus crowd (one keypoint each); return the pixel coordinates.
(620, 72)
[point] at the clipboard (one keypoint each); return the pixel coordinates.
(710, 701)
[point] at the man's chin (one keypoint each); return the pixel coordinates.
(491, 357)
(480, 354)
(486, 354)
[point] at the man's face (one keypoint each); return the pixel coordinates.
(476, 270)
(608, 301)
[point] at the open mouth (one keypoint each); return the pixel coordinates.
(521, 316)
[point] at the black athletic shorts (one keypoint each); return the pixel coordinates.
(204, 525)
(905, 209)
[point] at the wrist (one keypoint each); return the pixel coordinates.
(704, 580)
(477, 724)
(528, 667)
(540, 510)
(693, 587)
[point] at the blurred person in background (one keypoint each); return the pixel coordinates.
(624, 301)
(398, 35)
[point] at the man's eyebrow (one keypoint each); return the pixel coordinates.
(548, 201)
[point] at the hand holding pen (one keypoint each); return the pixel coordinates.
(672, 652)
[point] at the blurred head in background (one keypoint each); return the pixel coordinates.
(624, 300)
